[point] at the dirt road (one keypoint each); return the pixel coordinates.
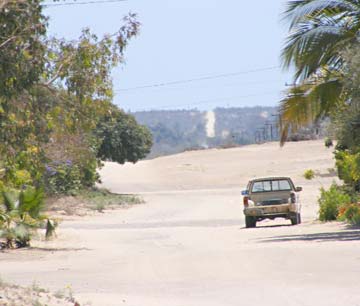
(187, 246)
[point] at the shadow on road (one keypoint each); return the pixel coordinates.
(266, 226)
(346, 235)
(57, 249)
(275, 225)
(159, 224)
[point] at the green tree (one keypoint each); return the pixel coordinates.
(83, 69)
(22, 46)
(320, 30)
(80, 74)
(122, 138)
(346, 122)
(53, 94)
(22, 50)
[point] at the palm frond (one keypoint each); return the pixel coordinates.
(284, 133)
(50, 228)
(312, 46)
(308, 102)
(296, 106)
(22, 235)
(8, 202)
(31, 201)
(328, 94)
(319, 31)
(299, 11)
(3, 217)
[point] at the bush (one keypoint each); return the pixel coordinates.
(62, 178)
(89, 173)
(346, 189)
(348, 167)
(330, 202)
(22, 177)
(21, 216)
(309, 174)
(328, 142)
(350, 213)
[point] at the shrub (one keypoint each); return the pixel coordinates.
(330, 202)
(328, 142)
(20, 216)
(62, 178)
(89, 173)
(346, 189)
(22, 177)
(348, 167)
(351, 213)
(309, 174)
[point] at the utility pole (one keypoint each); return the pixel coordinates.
(279, 123)
(257, 136)
(271, 129)
(264, 133)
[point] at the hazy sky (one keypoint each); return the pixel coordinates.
(190, 39)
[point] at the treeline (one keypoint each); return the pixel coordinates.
(178, 130)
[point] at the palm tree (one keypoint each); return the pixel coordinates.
(20, 219)
(320, 30)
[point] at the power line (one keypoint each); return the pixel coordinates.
(218, 76)
(215, 100)
(212, 86)
(80, 3)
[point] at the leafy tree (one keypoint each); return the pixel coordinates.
(22, 46)
(323, 47)
(81, 74)
(53, 94)
(83, 68)
(346, 122)
(123, 139)
(319, 30)
(22, 50)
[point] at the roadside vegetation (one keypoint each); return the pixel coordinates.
(57, 118)
(88, 201)
(309, 174)
(323, 47)
(36, 296)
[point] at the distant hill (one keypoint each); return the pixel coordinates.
(179, 130)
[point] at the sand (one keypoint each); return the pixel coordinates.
(187, 246)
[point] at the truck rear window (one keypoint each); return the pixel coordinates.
(271, 185)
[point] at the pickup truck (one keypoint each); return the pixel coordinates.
(270, 198)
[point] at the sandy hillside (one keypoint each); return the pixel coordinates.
(218, 169)
(187, 246)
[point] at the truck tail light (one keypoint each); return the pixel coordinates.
(246, 201)
(293, 197)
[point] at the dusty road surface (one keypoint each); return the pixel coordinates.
(187, 246)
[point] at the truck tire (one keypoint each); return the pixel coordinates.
(250, 221)
(295, 219)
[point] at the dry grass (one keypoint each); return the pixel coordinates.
(89, 201)
(12, 295)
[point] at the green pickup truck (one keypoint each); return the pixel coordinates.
(270, 198)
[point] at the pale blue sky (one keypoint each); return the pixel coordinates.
(187, 39)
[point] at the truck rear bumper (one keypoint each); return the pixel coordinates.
(271, 210)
